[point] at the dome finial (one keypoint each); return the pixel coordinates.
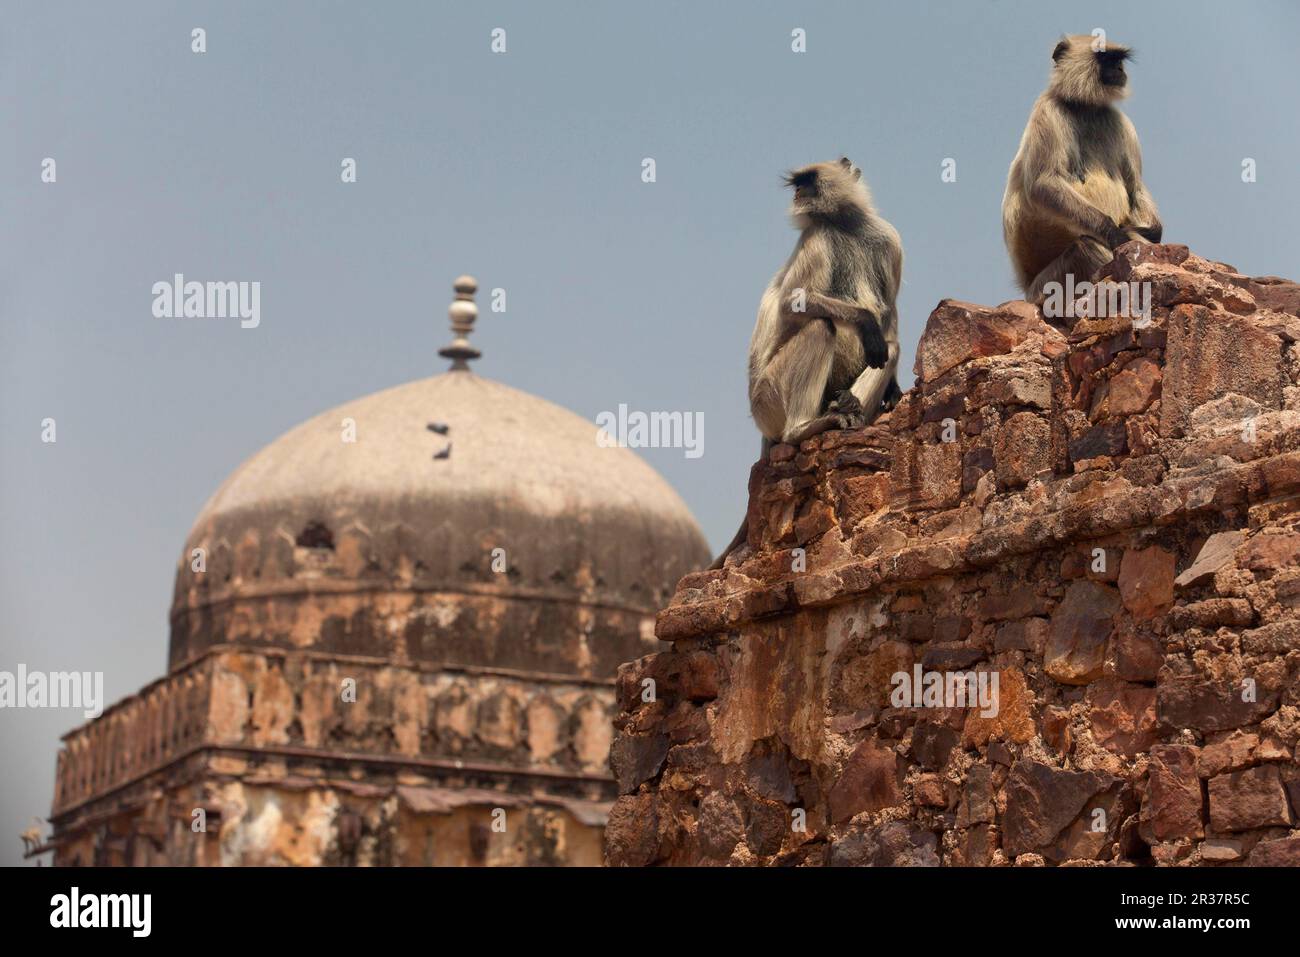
(463, 312)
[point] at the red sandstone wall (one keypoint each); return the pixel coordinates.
(1104, 514)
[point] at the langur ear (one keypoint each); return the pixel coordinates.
(846, 162)
(857, 173)
(1060, 51)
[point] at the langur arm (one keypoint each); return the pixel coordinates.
(1054, 192)
(1150, 234)
(1144, 220)
(895, 270)
(835, 310)
(800, 306)
(865, 319)
(818, 306)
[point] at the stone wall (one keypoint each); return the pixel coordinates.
(299, 758)
(266, 810)
(1101, 513)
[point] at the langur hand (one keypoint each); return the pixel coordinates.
(1150, 234)
(1115, 236)
(875, 349)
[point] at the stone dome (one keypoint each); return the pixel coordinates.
(452, 520)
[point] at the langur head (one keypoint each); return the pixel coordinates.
(1089, 71)
(830, 192)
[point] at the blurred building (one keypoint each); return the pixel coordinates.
(393, 642)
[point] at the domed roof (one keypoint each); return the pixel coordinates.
(500, 444)
(456, 493)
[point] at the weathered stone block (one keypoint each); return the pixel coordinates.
(868, 781)
(1211, 353)
(1022, 449)
(1146, 581)
(1240, 800)
(1080, 627)
(1171, 808)
(1041, 803)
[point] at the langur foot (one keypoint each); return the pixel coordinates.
(892, 394)
(844, 412)
(822, 423)
(847, 411)
(1081, 260)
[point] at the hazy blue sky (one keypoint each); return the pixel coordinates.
(524, 170)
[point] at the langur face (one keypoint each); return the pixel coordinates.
(806, 192)
(1110, 68)
(826, 191)
(804, 183)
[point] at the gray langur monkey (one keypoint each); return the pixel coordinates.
(825, 345)
(824, 352)
(1075, 189)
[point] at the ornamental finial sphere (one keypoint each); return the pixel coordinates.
(463, 312)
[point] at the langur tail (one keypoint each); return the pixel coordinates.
(739, 539)
(742, 533)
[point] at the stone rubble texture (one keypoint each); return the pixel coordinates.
(1113, 528)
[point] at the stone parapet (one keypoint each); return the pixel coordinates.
(1094, 519)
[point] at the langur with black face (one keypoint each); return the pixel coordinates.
(825, 347)
(1075, 189)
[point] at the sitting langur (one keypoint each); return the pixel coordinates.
(1075, 188)
(825, 347)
